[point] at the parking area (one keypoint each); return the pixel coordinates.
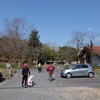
(82, 88)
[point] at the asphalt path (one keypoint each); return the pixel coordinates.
(58, 89)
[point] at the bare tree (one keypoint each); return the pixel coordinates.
(13, 38)
(71, 53)
(38, 53)
(78, 39)
(91, 37)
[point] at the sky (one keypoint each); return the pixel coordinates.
(56, 20)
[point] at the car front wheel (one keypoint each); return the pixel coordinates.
(91, 75)
(68, 75)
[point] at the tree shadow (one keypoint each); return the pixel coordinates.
(53, 79)
(17, 87)
(75, 77)
(10, 88)
(2, 79)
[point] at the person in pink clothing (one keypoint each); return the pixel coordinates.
(50, 70)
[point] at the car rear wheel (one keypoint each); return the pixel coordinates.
(68, 75)
(91, 75)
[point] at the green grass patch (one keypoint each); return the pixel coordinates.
(96, 69)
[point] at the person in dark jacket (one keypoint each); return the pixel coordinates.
(25, 72)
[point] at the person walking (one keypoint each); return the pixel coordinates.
(39, 67)
(25, 72)
(50, 70)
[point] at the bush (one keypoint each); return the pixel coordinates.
(96, 67)
(2, 65)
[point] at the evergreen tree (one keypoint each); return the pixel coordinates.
(34, 39)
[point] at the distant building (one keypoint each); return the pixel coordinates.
(90, 55)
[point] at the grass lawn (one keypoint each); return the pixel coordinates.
(5, 73)
(97, 71)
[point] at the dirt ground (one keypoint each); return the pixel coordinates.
(80, 94)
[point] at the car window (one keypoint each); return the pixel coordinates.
(85, 66)
(78, 67)
(70, 66)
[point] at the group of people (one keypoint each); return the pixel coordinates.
(26, 72)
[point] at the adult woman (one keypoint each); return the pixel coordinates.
(25, 72)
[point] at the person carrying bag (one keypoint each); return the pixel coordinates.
(25, 72)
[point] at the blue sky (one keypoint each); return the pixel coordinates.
(54, 19)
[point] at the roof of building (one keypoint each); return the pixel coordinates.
(95, 50)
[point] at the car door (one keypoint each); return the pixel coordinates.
(84, 70)
(77, 70)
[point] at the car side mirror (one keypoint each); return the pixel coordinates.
(73, 68)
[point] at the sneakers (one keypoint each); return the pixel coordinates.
(25, 86)
(50, 80)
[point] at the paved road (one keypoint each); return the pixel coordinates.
(59, 89)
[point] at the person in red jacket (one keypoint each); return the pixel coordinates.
(50, 70)
(25, 72)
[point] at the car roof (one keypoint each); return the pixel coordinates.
(82, 64)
